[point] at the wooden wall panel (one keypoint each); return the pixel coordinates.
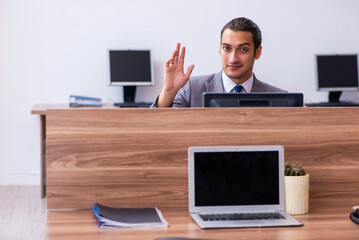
(138, 157)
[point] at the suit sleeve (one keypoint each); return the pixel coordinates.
(183, 97)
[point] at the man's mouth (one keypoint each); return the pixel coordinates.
(234, 66)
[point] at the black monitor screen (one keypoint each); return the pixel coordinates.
(236, 178)
(337, 72)
(130, 67)
(252, 100)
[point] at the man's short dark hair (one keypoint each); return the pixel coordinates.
(245, 25)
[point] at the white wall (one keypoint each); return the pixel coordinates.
(50, 49)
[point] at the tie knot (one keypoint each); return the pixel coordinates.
(238, 88)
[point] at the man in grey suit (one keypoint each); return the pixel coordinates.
(239, 48)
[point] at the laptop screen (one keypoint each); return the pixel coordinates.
(235, 178)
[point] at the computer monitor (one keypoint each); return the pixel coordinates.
(337, 73)
(130, 68)
(252, 100)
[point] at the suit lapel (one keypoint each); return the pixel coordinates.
(256, 84)
(215, 84)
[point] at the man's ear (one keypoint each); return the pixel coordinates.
(258, 52)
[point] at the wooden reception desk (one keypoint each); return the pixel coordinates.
(138, 158)
(41, 109)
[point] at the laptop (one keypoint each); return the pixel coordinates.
(237, 186)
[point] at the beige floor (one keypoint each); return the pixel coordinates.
(22, 214)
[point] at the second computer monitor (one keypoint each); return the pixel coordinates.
(337, 73)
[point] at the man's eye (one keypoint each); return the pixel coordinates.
(244, 50)
(226, 48)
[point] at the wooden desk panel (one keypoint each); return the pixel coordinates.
(40, 109)
(320, 223)
(138, 157)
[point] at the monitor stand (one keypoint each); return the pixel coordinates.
(129, 93)
(334, 97)
(334, 101)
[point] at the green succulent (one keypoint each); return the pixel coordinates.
(293, 169)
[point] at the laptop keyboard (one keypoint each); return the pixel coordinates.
(241, 216)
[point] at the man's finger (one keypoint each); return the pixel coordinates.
(183, 54)
(189, 71)
(176, 53)
(169, 61)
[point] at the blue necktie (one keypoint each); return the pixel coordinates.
(238, 88)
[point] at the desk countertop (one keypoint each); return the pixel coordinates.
(40, 109)
(318, 224)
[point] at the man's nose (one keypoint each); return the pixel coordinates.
(234, 57)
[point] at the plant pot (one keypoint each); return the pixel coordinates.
(297, 194)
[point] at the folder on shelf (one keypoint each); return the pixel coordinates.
(109, 217)
(81, 101)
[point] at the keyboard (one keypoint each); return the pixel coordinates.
(332, 104)
(241, 216)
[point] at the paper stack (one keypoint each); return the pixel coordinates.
(109, 217)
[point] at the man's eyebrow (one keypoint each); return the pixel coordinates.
(240, 45)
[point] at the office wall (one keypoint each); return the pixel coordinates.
(50, 49)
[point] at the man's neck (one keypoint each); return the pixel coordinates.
(241, 80)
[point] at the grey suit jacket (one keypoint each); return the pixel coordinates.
(191, 94)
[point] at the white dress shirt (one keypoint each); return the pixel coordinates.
(229, 84)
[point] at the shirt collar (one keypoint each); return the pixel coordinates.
(229, 84)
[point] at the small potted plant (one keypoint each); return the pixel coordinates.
(296, 182)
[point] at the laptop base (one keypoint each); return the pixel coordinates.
(287, 221)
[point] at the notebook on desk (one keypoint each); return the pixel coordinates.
(237, 186)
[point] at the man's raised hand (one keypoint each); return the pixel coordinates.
(174, 76)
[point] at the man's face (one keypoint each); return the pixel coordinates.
(237, 54)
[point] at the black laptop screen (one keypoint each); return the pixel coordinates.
(236, 178)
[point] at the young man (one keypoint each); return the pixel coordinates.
(240, 47)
